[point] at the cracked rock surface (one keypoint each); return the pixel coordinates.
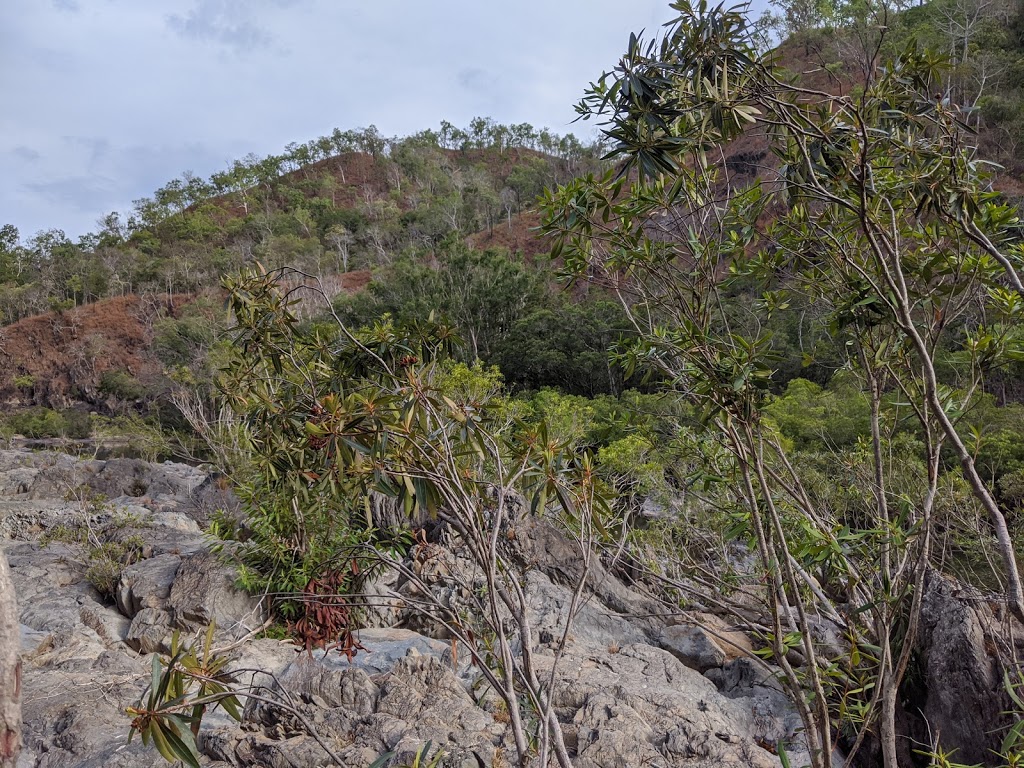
(627, 691)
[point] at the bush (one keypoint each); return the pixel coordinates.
(121, 385)
(40, 423)
(821, 419)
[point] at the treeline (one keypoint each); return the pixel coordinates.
(351, 200)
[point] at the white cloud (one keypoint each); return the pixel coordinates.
(150, 89)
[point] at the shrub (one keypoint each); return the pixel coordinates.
(122, 385)
(39, 423)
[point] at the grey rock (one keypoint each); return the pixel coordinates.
(331, 685)
(963, 672)
(135, 478)
(641, 706)
(32, 639)
(146, 584)
(59, 474)
(379, 607)
(544, 548)
(149, 631)
(26, 519)
(214, 495)
(594, 626)
(204, 591)
(74, 710)
(384, 648)
(757, 688)
(693, 646)
(16, 481)
(111, 626)
(419, 700)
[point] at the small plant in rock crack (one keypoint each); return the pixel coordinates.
(98, 538)
(183, 688)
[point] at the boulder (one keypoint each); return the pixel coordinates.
(756, 687)
(593, 627)
(961, 642)
(692, 645)
(641, 706)
(150, 631)
(418, 700)
(204, 591)
(135, 478)
(146, 584)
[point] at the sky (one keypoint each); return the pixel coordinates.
(104, 101)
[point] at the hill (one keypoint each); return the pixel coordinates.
(101, 323)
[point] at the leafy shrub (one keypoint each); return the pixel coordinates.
(39, 423)
(820, 419)
(122, 385)
(179, 341)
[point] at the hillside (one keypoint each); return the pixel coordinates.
(341, 208)
(64, 358)
(699, 448)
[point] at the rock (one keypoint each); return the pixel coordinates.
(641, 706)
(594, 626)
(146, 584)
(379, 607)
(25, 519)
(135, 478)
(204, 591)
(149, 631)
(17, 481)
(544, 548)
(58, 475)
(756, 687)
(735, 643)
(331, 685)
(384, 649)
(74, 711)
(32, 639)
(419, 700)
(214, 495)
(167, 592)
(962, 687)
(110, 625)
(693, 646)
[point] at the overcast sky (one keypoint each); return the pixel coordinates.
(106, 100)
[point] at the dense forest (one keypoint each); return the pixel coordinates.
(757, 348)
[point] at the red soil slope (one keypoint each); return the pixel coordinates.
(58, 359)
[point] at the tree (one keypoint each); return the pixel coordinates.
(482, 293)
(333, 419)
(341, 239)
(10, 670)
(878, 210)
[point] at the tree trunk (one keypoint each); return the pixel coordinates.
(10, 671)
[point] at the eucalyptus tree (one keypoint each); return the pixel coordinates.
(873, 207)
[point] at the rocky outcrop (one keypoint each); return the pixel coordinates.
(963, 654)
(630, 686)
